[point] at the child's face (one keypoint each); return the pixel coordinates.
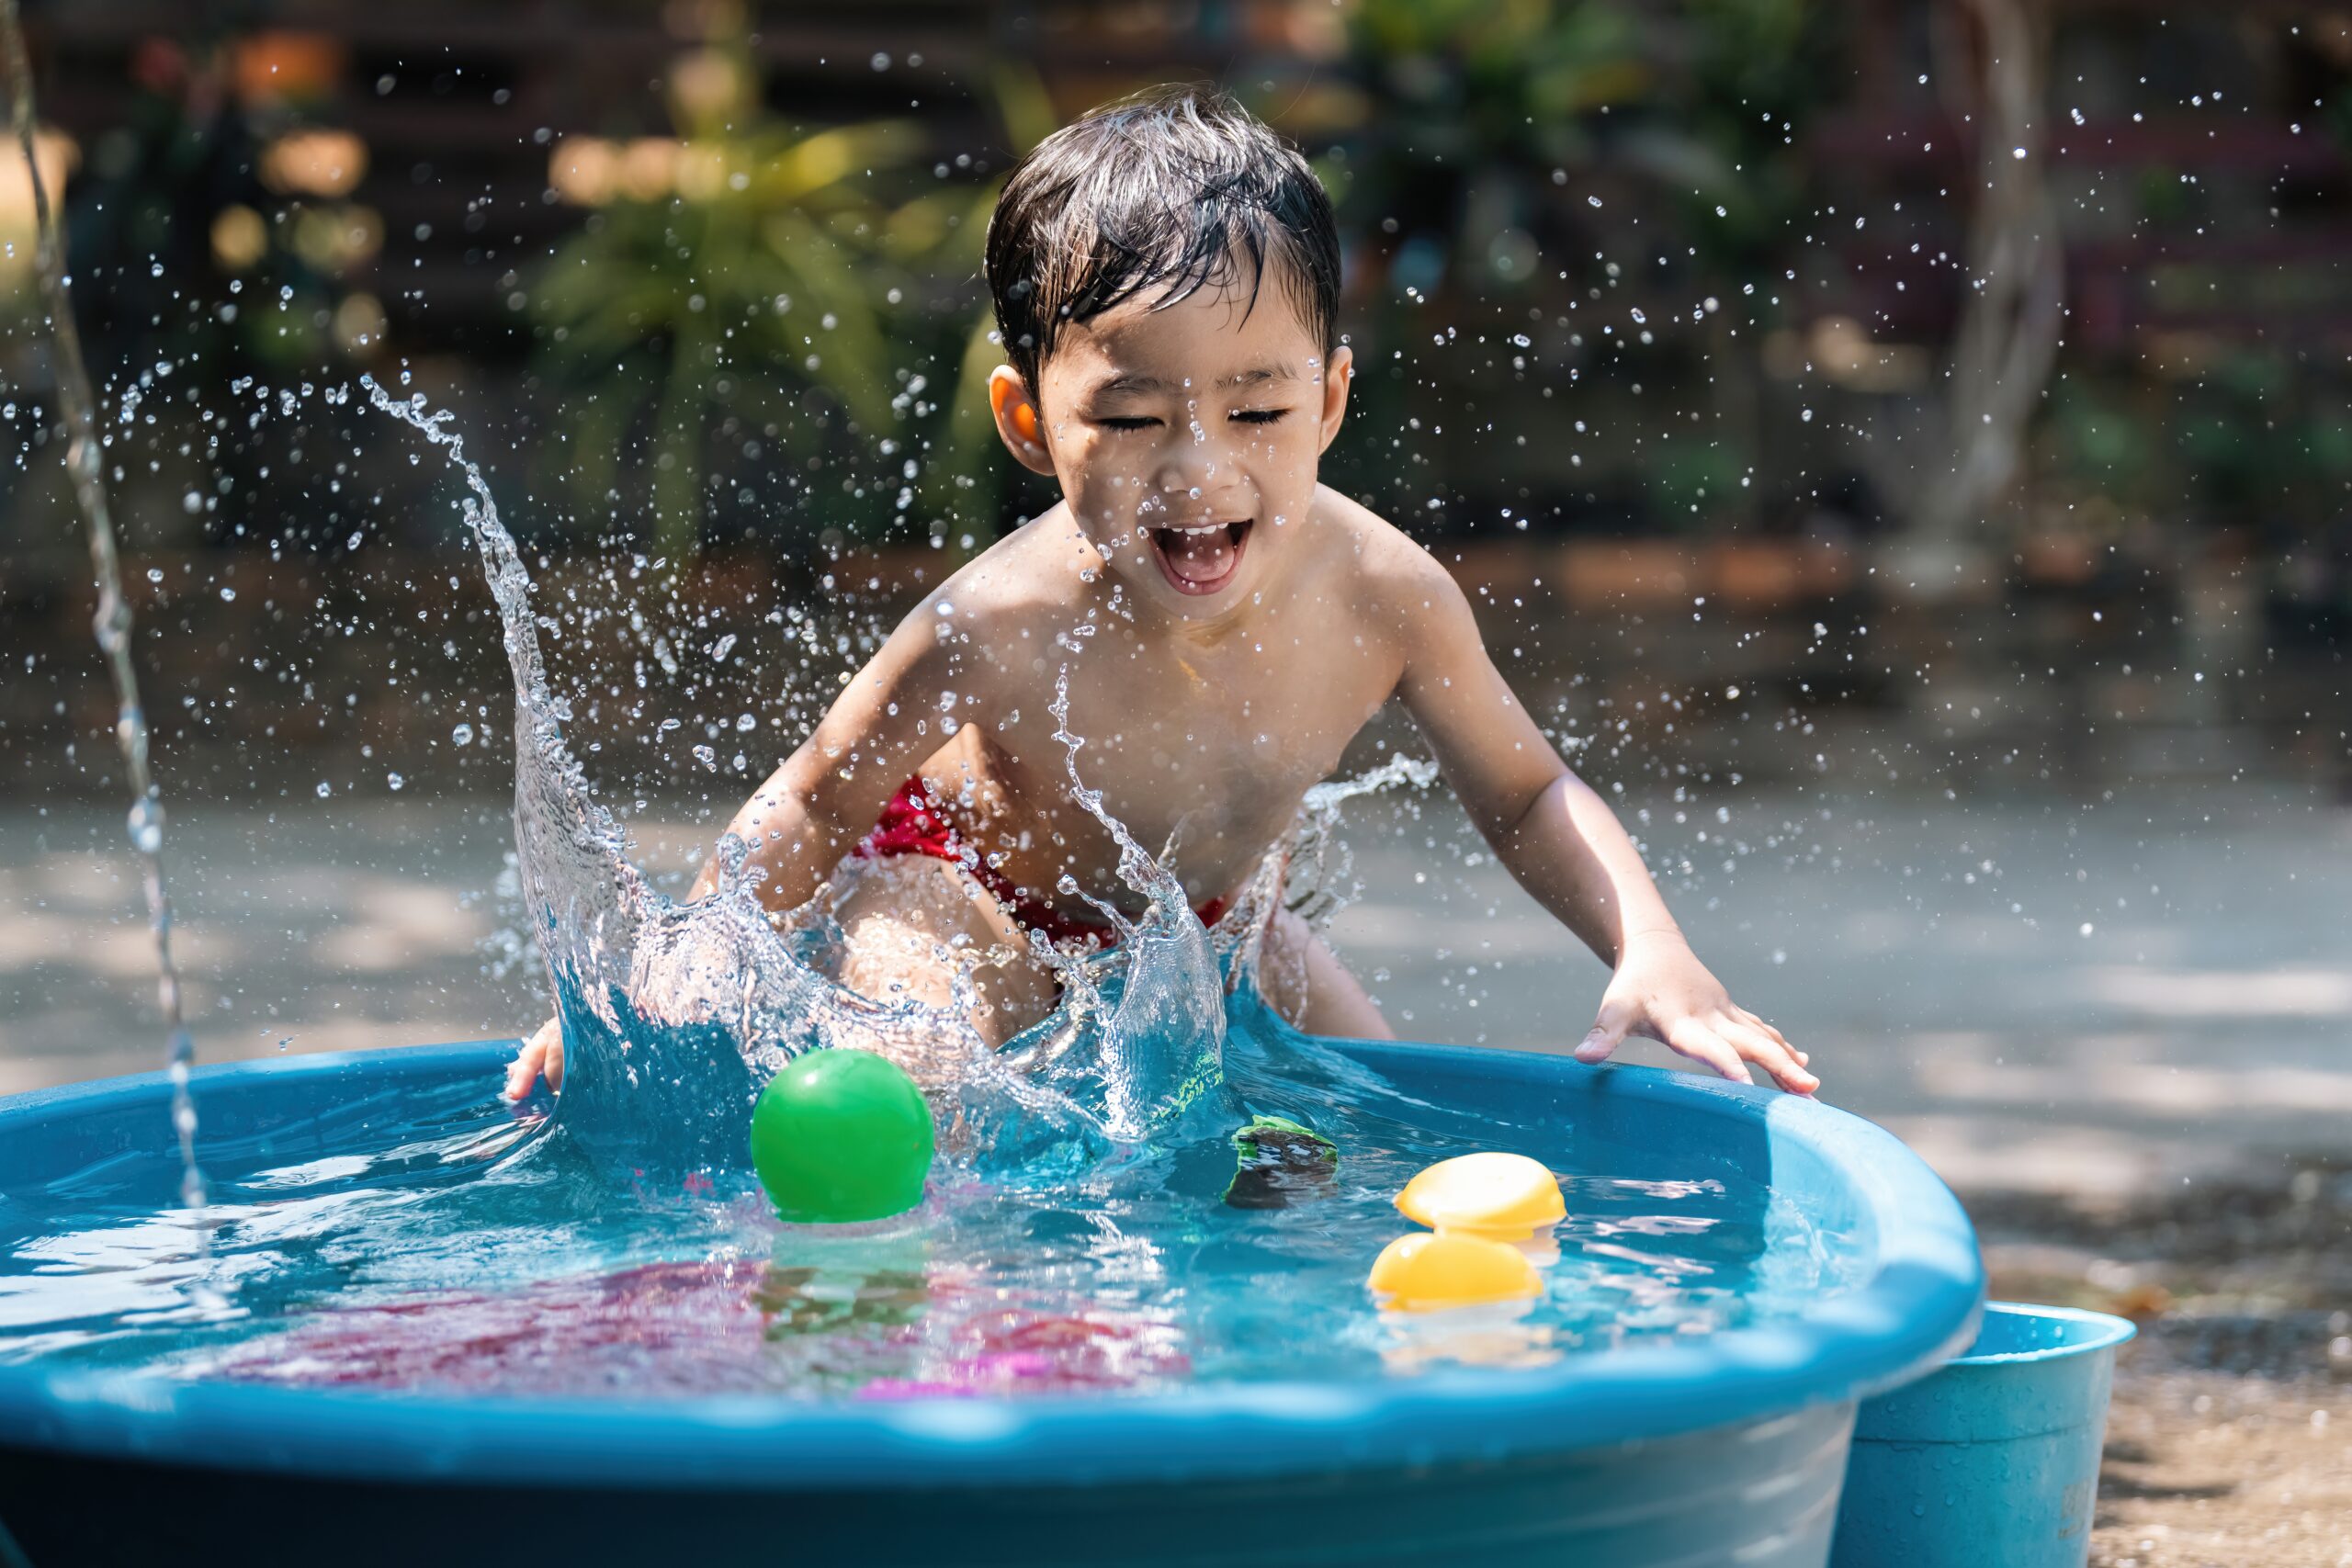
(1186, 439)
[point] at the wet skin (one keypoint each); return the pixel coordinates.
(1228, 626)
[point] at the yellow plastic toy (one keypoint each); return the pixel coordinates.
(1502, 1196)
(1425, 1272)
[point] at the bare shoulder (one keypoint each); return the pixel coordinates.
(1395, 578)
(1029, 572)
(994, 609)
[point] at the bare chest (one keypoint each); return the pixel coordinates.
(1209, 755)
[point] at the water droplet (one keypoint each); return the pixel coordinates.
(154, 574)
(394, 780)
(325, 789)
(228, 595)
(462, 736)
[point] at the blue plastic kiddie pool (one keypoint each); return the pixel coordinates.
(1725, 1448)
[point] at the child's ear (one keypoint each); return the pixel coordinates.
(1337, 374)
(1017, 420)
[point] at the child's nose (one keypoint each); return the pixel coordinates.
(1190, 465)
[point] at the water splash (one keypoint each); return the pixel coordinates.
(674, 1015)
(1163, 1045)
(113, 626)
(1308, 873)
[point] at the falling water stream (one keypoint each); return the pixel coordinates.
(83, 461)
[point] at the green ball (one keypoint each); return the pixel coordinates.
(841, 1135)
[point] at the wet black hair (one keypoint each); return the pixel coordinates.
(1158, 195)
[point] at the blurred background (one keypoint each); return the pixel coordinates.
(1902, 448)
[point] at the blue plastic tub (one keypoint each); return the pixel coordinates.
(1727, 1448)
(1993, 1460)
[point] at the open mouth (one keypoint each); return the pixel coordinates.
(1201, 559)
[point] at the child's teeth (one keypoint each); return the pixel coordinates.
(1201, 554)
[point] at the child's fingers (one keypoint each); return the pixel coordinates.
(1748, 1018)
(542, 1053)
(1701, 1044)
(1774, 1056)
(1608, 1031)
(524, 1069)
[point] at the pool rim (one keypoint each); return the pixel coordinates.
(2110, 1332)
(1920, 1306)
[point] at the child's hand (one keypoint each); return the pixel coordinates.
(542, 1052)
(1663, 992)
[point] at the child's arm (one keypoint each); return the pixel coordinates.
(1567, 848)
(824, 799)
(826, 796)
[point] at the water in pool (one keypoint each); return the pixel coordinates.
(458, 1244)
(1084, 1229)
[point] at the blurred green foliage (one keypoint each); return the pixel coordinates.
(2250, 441)
(1497, 148)
(765, 329)
(684, 317)
(782, 304)
(1493, 161)
(1486, 121)
(169, 204)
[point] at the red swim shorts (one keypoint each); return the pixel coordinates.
(913, 824)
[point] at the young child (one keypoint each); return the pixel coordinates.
(1166, 273)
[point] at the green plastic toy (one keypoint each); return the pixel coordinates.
(1282, 1162)
(841, 1135)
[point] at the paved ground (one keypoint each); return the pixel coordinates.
(2065, 999)
(2069, 999)
(2122, 1030)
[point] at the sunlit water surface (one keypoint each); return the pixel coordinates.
(461, 1245)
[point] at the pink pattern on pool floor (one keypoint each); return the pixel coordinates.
(723, 1326)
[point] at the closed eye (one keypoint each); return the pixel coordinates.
(1258, 416)
(1127, 421)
